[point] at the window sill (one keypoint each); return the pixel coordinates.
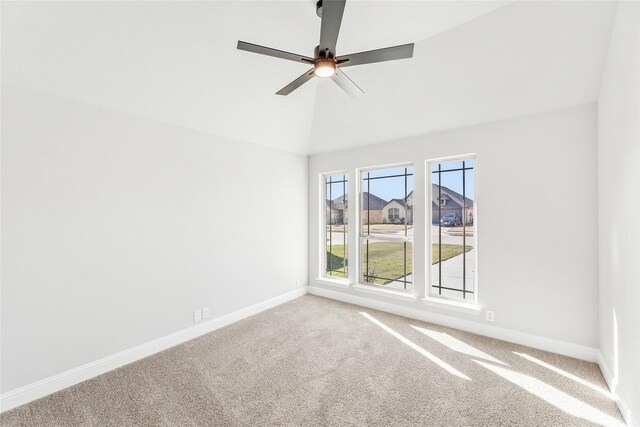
(338, 283)
(402, 296)
(463, 307)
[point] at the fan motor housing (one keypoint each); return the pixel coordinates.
(317, 53)
(319, 8)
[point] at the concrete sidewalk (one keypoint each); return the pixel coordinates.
(451, 275)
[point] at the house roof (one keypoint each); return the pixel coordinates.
(340, 202)
(401, 202)
(372, 202)
(453, 199)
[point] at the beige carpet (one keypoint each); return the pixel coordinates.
(315, 361)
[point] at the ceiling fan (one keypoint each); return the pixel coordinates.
(325, 61)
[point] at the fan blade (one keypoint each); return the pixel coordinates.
(332, 11)
(250, 47)
(296, 83)
(378, 55)
(346, 84)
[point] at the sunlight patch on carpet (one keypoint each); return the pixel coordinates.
(417, 348)
(555, 397)
(566, 374)
(457, 345)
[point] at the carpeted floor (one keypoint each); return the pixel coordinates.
(315, 361)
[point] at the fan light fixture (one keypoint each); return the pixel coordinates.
(325, 62)
(324, 68)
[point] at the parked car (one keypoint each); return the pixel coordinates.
(450, 219)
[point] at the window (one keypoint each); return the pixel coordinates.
(453, 231)
(335, 226)
(386, 227)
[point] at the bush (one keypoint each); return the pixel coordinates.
(371, 271)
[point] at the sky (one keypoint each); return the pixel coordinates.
(394, 188)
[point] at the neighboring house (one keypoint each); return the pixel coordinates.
(372, 207)
(444, 200)
(337, 209)
(395, 212)
(339, 212)
(378, 211)
(329, 213)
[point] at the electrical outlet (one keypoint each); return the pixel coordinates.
(205, 312)
(491, 316)
(197, 315)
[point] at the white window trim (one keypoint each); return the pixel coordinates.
(444, 300)
(391, 293)
(408, 295)
(334, 281)
(322, 276)
(450, 304)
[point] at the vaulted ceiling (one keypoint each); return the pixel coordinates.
(474, 62)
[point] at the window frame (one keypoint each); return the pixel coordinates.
(431, 292)
(323, 276)
(361, 237)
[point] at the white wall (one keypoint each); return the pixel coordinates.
(537, 217)
(619, 205)
(116, 227)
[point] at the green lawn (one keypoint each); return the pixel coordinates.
(448, 251)
(386, 259)
(336, 262)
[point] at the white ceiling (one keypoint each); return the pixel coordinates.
(177, 62)
(525, 58)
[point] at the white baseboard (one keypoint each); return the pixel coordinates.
(589, 354)
(30, 392)
(548, 344)
(612, 382)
